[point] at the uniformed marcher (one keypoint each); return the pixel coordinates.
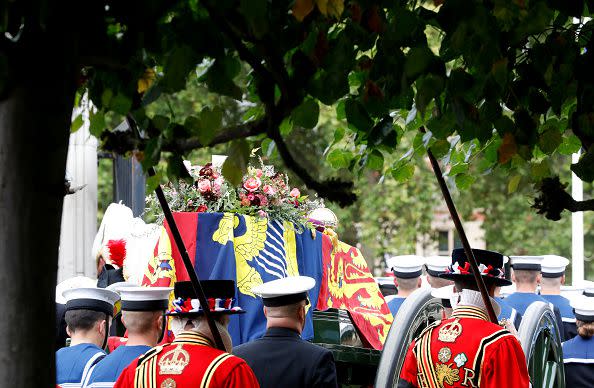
(526, 276)
(467, 350)
(578, 353)
(553, 277)
(407, 271)
(507, 313)
(88, 315)
(192, 360)
(142, 315)
(435, 266)
(281, 358)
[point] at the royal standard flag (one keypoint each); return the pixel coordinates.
(348, 284)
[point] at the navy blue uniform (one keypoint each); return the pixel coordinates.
(74, 363)
(566, 314)
(394, 305)
(578, 357)
(509, 313)
(521, 300)
(106, 372)
(282, 359)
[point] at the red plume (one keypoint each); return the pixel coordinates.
(117, 251)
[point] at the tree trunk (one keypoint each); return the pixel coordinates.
(34, 123)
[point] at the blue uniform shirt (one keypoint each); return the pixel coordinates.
(567, 316)
(107, 371)
(509, 313)
(578, 357)
(74, 363)
(395, 304)
(521, 300)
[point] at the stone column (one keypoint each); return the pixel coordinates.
(79, 216)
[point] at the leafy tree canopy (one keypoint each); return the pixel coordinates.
(484, 84)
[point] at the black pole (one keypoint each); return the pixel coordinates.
(467, 249)
(185, 257)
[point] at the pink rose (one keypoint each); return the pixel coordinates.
(245, 202)
(251, 197)
(269, 190)
(263, 199)
(252, 184)
(204, 185)
(262, 214)
(259, 173)
(217, 184)
(295, 193)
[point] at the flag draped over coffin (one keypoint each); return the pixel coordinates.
(249, 250)
(348, 284)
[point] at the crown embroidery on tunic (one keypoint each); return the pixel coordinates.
(450, 331)
(174, 361)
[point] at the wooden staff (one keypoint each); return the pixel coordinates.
(467, 249)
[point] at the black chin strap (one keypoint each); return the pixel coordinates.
(163, 328)
(106, 336)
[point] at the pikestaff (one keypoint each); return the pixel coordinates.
(179, 242)
(467, 249)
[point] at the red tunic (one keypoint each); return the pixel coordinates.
(465, 351)
(189, 361)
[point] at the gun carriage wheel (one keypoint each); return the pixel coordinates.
(541, 342)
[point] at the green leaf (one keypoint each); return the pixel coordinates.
(440, 148)
(340, 110)
(570, 145)
(339, 134)
(219, 77)
(338, 158)
(403, 172)
(97, 124)
(458, 169)
(160, 122)
(540, 170)
(306, 115)
(235, 165)
(513, 183)
(152, 182)
(417, 61)
(375, 160)
(211, 120)
(357, 116)
(76, 123)
(152, 152)
(121, 104)
(585, 167)
(106, 97)
(178, 64)
(464, 181)
(549, 140)
(286, 127)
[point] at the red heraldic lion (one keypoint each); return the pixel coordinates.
(189, 361)
(465, 350)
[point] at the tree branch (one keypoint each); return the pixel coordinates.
(553, 199)
(230, 133)
(332, 189)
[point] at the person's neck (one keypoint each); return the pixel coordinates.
(83, 338)
(404, 293)
(550, 291)
(285, 323)
(147, 339)
(526, 288)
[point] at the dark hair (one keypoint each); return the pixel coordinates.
(83, 319)
(585, 329)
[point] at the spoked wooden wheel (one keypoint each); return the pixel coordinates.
(417, 312)
(541, 341)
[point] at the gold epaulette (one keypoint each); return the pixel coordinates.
(150, 354)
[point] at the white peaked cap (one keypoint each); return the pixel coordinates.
(437, 264)
(527, 263)
(88, 298)
(74, 282)
(583, 308)
(145, 298)
(284, 291)
(119, 286)
(406, 266)
(553, 266)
